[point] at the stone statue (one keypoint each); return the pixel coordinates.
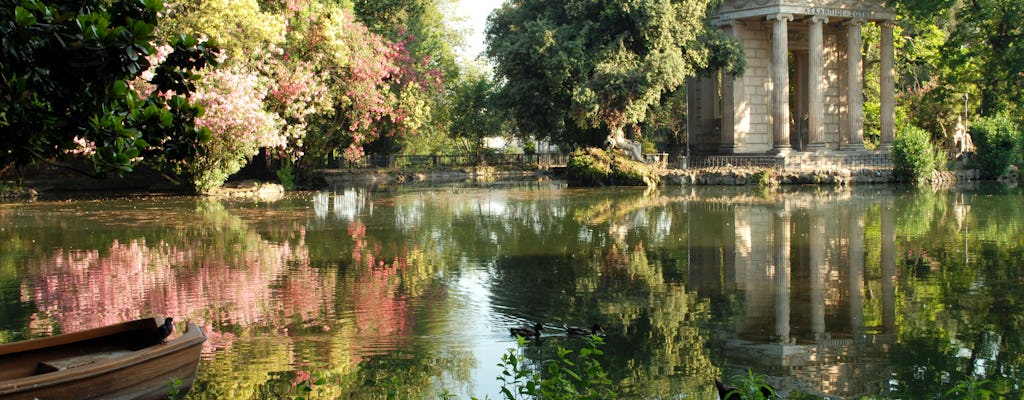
(617, 140)
(962, 138)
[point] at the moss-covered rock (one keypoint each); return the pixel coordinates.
(596, 167)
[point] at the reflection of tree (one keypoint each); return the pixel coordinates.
(651, 322)
(217, 259)
(960, 290)
(659, 322)
(267, 311)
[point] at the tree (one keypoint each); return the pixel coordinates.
(425, 29)
(65, 73)
(575, 70)
(473, 117)
(960, 54)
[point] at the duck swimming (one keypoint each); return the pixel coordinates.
(580, 331)
(526, 331)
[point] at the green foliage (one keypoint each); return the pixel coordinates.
(566, 377)
(575, 70)
(175, 384)
(596, 167)
(473, 117)
(529, 146)
(286, 176)
(913, 156)
(956, 55)
(764, 178)
(999, 143)
(752, 386)
(971, 389)
(65, 72)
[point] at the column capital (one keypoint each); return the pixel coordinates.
(780, 17)
(819, 18)
(889, 23)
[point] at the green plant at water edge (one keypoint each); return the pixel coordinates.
(175, 385)
(596, 167)
(999, 143)
(567, 377)
(913, 155)
(763, 178)
(970, 389)
(752, 386)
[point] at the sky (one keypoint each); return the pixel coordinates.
(476, 12)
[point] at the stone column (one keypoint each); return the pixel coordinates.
(887, 113)
(693, 111)
(856, 277)
(732, 97)
(818, 271)
(708, 98)
(782, 275)
(780, 82)
(818, 86)
(888, 256)
(855, 84)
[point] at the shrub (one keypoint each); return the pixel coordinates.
(568, 377)
(913, 156)
(596, 167)
(763, 178)
(998, 141)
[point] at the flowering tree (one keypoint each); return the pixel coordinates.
(319, 77)
(376, 90)
(240, 124)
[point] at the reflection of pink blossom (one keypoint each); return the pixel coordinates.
(301, 376)
(245, 283)
(82, 289)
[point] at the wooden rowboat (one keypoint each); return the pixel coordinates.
(123, 361)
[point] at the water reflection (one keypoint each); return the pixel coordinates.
(799, 265)
(410, 293)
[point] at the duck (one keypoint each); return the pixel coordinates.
(730, 393)
(580, 331)
(526, 331)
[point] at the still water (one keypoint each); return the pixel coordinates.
(409, 293)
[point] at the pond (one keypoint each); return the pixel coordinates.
(410, 292)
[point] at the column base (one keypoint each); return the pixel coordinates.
(852, 147)
(817, 148)
(781, 151)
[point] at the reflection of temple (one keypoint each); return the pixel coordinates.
(803, 85)
(818, 313)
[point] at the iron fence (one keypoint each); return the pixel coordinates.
(405, 161)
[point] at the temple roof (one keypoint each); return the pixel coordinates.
(871, 10)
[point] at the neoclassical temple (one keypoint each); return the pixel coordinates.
(802, 91)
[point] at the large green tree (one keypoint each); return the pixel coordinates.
(576, 70)
(65, 83)
(959, 57)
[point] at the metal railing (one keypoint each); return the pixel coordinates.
(792, 162)
(403, 161)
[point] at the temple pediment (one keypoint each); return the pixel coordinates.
(872, 10)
